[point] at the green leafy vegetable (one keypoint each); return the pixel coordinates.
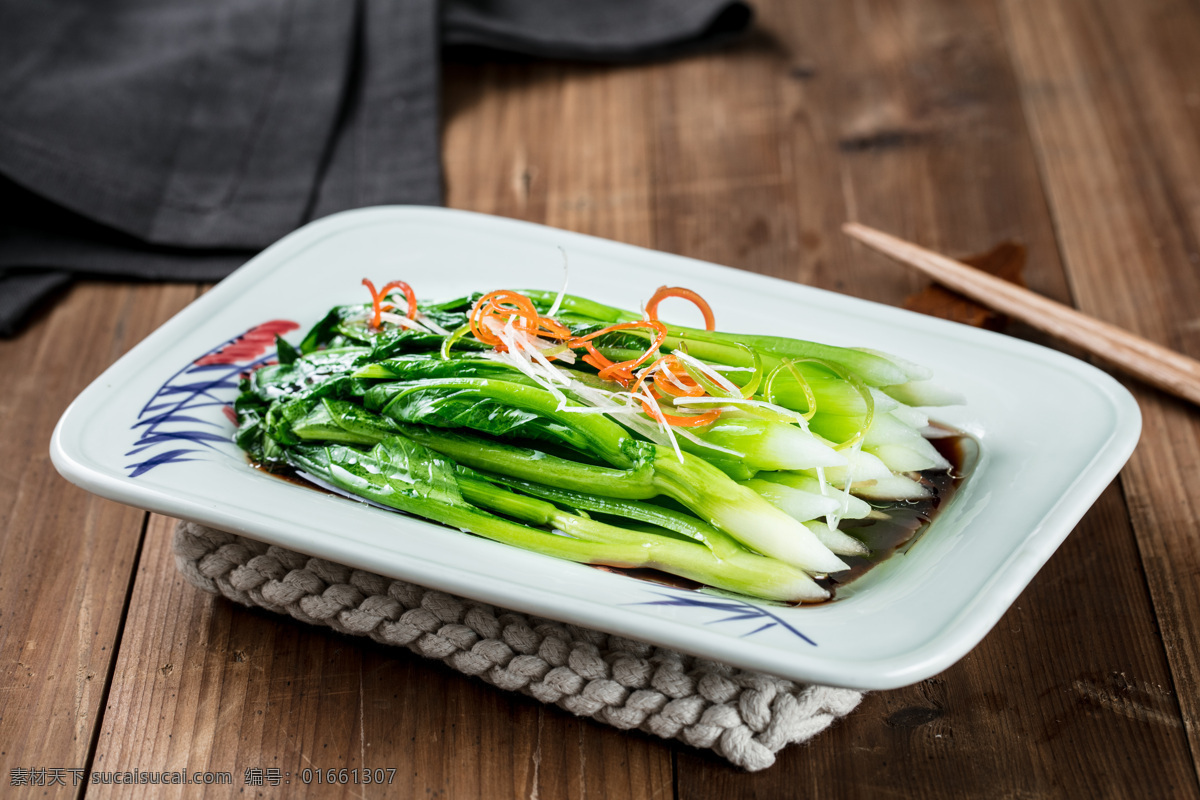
(729, 463)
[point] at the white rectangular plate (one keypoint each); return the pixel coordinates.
(154, 431)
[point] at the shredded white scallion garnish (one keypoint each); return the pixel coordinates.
(524, 352)
(548, 369)
(833, 520)
(431, 325)
(709, 372)
(563, 291)
(518, 355)
(658, 417)
(821, 482)
(403, 322)
(673, 378)
(739, 401)
(585, 410)
(691, 437)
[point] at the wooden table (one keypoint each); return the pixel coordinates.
(1069, 126)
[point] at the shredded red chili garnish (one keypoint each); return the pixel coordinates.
(377, 299)
(498, 308)
(621, 372)
(663, 292)
(501, 305)
(656, 370)
(504, 305)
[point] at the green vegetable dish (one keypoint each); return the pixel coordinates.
(769, 467)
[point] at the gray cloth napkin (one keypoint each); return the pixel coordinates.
(172, 139)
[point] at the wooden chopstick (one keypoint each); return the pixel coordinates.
(1155, 364)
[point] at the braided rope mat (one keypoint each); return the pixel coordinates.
(745, 717)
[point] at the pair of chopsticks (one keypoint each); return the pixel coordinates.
(1141, 358)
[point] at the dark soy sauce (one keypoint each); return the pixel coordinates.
(905, 523)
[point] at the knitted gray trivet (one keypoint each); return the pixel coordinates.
(746, 717)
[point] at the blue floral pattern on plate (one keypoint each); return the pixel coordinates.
(734, 609)
(178, 421)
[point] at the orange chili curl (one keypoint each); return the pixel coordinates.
(707, 418)
(598, 361)
(377, 299)
(504, 305)
(668, 381)
(663, 292)
(595, 357)
(553, 328)
(621, 372)
(501, 305)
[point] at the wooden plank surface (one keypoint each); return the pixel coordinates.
(1112, 91)
(908, 117)
(66, 557)
(205, 685)
(1068, 126)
